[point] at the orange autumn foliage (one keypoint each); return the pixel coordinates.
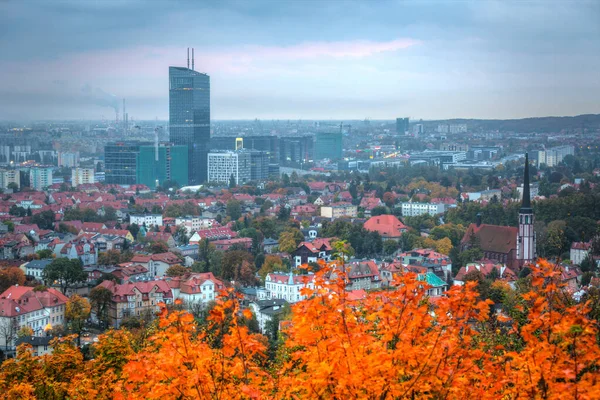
(391, 345)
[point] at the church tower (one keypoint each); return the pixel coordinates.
(526, 235)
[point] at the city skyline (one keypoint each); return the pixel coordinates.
(430, 60)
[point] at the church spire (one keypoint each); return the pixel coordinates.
(526, 204)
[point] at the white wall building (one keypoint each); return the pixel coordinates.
(81, 176)
(148, 219)
(339, 211)
(68, 159)
(194, 223)
(415, 209)
(288, 286)
(222, 165)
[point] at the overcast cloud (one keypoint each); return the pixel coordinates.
(307, 59)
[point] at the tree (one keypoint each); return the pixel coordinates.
(232, 263)
(289, 240)
(176, 270)
(44, 219)
(11, 225)
(65, 273)
(100, 299)
(8, 331)
(133, 229)
(390, 247)
(158, 247)
(272, 263)
(544, 346)
(232, 183)
(11, 276)
(283, 214)
(77, 311)
(45, 253)
(13, 186)
(234, 209)
(110, 257)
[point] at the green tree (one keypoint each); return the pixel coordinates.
(65, 273)
(390, 247)
(45, 253)
(234, 209)
(44, 219)
(100, 299)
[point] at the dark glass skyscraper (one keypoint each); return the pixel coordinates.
(189, 118)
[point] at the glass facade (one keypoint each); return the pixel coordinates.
(120, 160)
(189, 118)
(328, 145)
(172, 165)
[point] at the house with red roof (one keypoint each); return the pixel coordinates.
(22, 306)
(369, 203)
(136, 299)
(217, 233)
(196, 288)
(226, 244)
(579, 251)
(388, 226)
(497, 242)
(359, 275)
(486, 267)
(157, 264)
(307, 252)
(161, 237)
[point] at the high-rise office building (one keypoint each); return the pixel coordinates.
(401, 126)
(81, 176)
(296, 149)
(328, 145)
(120, 160)
(40, 177)
(189, 117)
(223, 165)
(259, 165)
(162, 162)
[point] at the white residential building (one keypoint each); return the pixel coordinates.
(410, 209)
(8, 176)
(80, 176)
(196, 288)
(194, 223)
(68, 159)
(288, 286)
(339, 210)
(579, 251)
(554, 155)
(148, 219)
(224, 164)
(40, 177)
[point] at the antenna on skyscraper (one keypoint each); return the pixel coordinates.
(188, 65)
(192, 58)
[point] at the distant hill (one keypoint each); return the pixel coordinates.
(527, 125)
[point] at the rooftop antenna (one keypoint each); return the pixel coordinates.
(192, 58)
(188, 64)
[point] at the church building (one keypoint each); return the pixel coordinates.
(513, 246)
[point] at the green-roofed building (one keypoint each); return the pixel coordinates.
(437, 285)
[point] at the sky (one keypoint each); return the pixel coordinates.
(309, 59)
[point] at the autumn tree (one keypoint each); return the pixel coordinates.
(65, 273)
(77, 311)
(176, 270)
(11, 276)
(110, 257)
(158, 247)
(272, 263)
(290, 239)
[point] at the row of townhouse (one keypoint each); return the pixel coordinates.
(142, 298)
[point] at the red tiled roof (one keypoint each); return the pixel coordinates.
(493, 238)
(388, 226)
